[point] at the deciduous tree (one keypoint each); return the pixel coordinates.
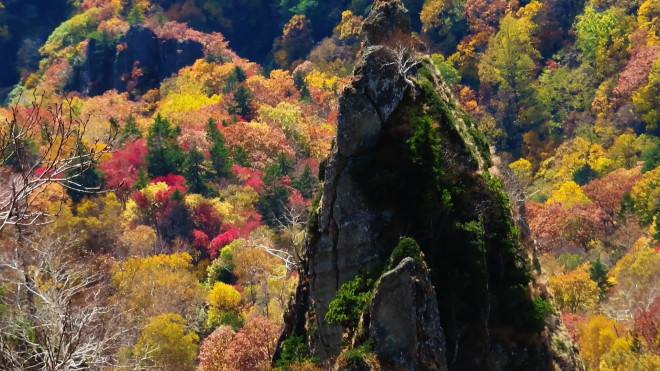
(155, 285)
(166, 344)
(58, 318)
(597, 337)
(62, 157)
(252, 347)
(575, 291)
(508, 65)
(213, 349)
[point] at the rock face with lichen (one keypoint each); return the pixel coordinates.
(409, 163)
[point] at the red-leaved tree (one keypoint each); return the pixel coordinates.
(213, 349)
(253, 346)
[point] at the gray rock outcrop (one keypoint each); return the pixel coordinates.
(409, 162)
(404, 320)
(110, 65)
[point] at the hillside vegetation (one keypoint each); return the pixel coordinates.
(160, 160)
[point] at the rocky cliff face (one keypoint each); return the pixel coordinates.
(408, 162)
(404, 320)
(111, 65)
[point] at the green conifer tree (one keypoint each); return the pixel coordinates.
(240, 157)
(219, 152)
(164, 156)
(272, 204)
(131, 131)
(196, 174)
(301, 85)
(135, 16)
(306, 183)
(242, 99)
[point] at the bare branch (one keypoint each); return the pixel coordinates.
(57, 134)
(68, 327)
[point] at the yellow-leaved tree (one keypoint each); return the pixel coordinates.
(154, 285)
(575, 291)
(164, 344)
(522, 170)
(646, 195)
(637, 275)
(568, 193)
(597, 337)
(221, 299)
(430, 14)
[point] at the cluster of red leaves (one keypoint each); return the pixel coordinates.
(207, 219)
(572, 322)
(249, 349)
(647, 325)
(249, 177)
(162, 197)
(252, 347)
(607, 192)
(637, 70)
(212, 350)
(200, 239)
(252, 221)
(557, 225)
(222, 240)
(171, 180)
(213, 42)
(121, 171)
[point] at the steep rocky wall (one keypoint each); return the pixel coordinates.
(110, 65)
(353, 235)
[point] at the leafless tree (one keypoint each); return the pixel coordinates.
(56, 316)
(403, 52)
(45, 145)
(293, 227)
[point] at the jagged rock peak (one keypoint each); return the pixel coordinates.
(409, 162)
(378, 84)
(385, 18)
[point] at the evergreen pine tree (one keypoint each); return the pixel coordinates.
(285, 164)
(240, 157)
(142, 179)
(164, 156)
(242, 99)
(272, 204)
(598, 273)
(584, 175)
(240, 73)
(219, 152)
(195, 173)
(306, 183)
(301, 85)
(135, 16)
(131, 131)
